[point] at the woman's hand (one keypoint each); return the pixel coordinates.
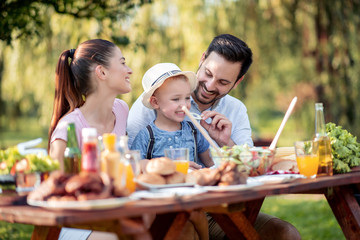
(219, 129)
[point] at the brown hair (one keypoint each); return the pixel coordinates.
(232, 49)
(72, 80)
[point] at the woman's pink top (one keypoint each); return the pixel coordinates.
(120, 110)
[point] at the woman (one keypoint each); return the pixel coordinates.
(87, 82)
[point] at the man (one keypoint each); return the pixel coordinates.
(216, 76)
(222, 67)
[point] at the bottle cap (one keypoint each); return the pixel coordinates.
(89, 132)
(319, 105)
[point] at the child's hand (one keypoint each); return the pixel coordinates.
(194, 165)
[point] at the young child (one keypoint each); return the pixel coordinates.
(166, 90)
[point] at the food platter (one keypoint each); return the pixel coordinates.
(161, 186)
(276, 178)
(82, 205)
(237, 187)
(176, 192)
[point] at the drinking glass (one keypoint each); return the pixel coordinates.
(134, 157)
(132, 168)
(307, 157)
(181, 158)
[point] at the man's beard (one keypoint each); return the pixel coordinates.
(199, 98)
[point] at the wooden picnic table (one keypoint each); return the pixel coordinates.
(235, 211)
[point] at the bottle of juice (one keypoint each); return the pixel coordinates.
(125, 166)
(89, 160)
(110, 157)
(72, 154)
(325, 156)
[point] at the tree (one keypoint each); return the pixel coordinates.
(22, 19)
(304, 48)
(29, 20)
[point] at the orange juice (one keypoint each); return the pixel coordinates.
(182, 166)
(129, 179)
(308, 165)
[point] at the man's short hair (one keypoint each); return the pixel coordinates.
(232, 49)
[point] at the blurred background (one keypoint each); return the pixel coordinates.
(308, 49)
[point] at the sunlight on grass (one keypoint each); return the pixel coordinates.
(310, 214)
(15, 231)
(28, 129)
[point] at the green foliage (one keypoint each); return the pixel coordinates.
(344, 147)
(37, 162)
(22, 19)
(305, 48)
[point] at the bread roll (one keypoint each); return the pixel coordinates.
(161, 166)
(176, 177)
(285, 165)
(151, 178)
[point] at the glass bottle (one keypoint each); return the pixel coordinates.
(110, 157)
(122, 145)
(125, 167)
(325, 156)
(89, 160)
(72, 154)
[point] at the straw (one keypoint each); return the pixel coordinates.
(202, 130)
(287, 115)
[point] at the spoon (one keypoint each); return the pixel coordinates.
(286, 117)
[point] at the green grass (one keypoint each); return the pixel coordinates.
(310, 214)
(26, 129)
(15, 231)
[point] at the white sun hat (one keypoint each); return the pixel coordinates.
(156, 76)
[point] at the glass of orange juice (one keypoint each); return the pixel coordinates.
(307, 157)
(181, 158)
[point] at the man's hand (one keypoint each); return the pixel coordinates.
(219, 129)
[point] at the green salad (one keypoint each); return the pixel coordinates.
(253, 160)
(345, 148)
(12, 161)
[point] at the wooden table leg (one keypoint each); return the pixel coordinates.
(177, 226)
(169, 225)
(252, 209)
(346, 210)
(45, 233)
(236, 226)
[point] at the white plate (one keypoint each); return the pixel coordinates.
(82, 205)
(160, 186)
(276, 178)
(237, 187)
(168, 193)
